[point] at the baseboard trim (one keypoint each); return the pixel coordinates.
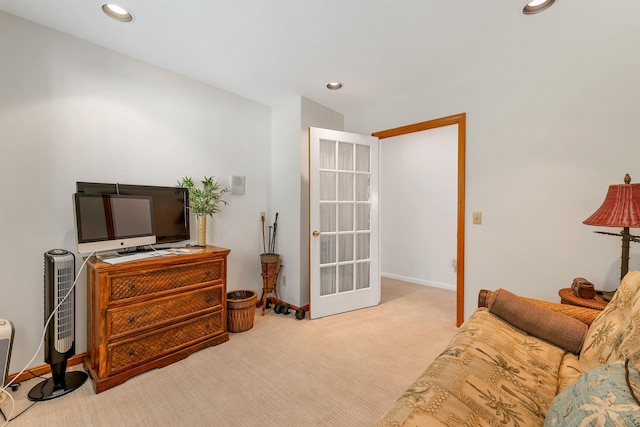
(44, 369)
(420, 281)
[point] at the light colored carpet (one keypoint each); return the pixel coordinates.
(344, 370)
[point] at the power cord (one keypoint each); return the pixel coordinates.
(14, 387)
(13, 418)
(3, 390)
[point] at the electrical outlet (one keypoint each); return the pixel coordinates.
(284, 280)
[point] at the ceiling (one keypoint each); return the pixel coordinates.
(381, 50)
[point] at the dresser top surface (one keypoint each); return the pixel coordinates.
(195, 255)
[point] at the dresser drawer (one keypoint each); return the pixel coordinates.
(129, 353)
(152, 281)
(136, 317)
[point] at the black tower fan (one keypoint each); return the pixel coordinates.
(59, 340)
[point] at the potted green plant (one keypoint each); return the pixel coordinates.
(204, 201)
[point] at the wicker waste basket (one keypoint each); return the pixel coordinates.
(241, 308)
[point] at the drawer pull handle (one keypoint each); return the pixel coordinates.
(132, 319)
(132, 352)
(206, 326)
(208, 273)
(207, 299)
(132, 286)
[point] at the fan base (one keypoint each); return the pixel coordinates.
(47, 390)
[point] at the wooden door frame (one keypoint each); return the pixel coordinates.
(461, 121)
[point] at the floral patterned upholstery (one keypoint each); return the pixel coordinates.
(490, 374)
(600, 397)
(615, 334)
(493, 374)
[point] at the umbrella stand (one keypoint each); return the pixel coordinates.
(270, 270)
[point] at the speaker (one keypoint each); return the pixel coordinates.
(237, 185)
(59, 339)
(7, 332)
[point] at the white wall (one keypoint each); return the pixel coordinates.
(290, 189)
(545, 138)
(313, 115)
(285, 194)
(71, 111)
(418, 206)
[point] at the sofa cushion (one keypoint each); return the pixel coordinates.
(557, 328)
(569, 371)
(600, 397)
(491, 373)
(615, 334)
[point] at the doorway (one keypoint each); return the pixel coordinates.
(460, 120)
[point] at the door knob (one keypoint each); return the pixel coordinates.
(316, 233)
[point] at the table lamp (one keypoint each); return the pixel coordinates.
(621, 208)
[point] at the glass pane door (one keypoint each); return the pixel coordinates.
(345, 174)
(343, 218)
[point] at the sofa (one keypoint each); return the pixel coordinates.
(524, 362)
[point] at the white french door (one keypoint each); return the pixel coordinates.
(343, 192)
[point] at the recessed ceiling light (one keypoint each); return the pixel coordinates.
(334, 85)
(117, 12)
(536, 6)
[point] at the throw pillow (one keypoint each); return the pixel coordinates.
(559, 329)
(615, 334)
(601, 397)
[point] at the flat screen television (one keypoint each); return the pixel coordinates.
(107, 222)
(170, 204)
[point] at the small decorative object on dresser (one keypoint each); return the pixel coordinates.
(204, 201)
(150, 313)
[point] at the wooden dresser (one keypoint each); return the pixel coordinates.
(150, 313)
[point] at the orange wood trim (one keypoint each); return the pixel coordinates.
(43, 369)
(462, 167)
(417, 127)
(461, 121)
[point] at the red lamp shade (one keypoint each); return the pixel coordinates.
(621, 207)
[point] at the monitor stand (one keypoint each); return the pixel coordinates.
(136, 250)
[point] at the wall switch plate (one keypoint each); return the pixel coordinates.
(477, 217)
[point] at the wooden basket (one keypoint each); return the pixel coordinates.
(241, 308)
(270, 270)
